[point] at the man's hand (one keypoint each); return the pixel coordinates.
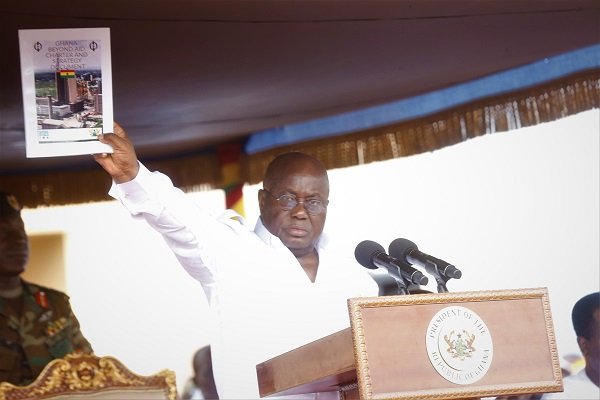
(122, 164)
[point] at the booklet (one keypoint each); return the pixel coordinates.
(67, 90)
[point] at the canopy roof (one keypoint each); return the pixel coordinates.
(191, 75)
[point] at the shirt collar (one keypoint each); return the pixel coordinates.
(263, 233)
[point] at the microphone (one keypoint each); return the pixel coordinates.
(407, 251)
(372, 255)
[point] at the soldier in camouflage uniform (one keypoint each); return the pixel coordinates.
(37, 324)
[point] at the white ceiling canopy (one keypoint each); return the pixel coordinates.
(190, 74)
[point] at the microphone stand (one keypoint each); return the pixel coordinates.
(441, 281)
(440, 277)
(400, 283)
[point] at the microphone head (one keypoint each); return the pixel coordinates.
(365, 252)
(400, 247)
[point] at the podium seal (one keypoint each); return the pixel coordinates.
(459, 345)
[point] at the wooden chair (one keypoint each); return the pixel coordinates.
(89, 377)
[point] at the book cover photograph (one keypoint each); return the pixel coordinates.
(67, 90)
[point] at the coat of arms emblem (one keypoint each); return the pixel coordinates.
(459, 345)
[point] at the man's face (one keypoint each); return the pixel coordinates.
(590, 348)
(297, 229)
(14, 246)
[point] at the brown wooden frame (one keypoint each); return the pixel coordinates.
(389, 342)
(383, 355)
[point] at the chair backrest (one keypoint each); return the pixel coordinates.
(89, 377)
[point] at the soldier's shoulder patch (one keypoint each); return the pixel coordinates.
(54, 293)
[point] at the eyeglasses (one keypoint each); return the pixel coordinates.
(288, 202)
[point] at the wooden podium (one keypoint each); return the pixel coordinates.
(428, 346)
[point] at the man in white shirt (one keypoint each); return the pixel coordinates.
(272, 288)
(585, 385)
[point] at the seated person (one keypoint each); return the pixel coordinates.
(585, 384)
(37, 324)
(202, 384)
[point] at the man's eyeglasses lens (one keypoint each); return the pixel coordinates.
(287, 202)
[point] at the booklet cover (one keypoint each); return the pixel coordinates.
(67, 90)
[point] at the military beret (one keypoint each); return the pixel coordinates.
(9, 205)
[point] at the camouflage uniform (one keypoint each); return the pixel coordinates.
(45, 329)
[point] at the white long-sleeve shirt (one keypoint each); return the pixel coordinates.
(263, 302)
(576, 387)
